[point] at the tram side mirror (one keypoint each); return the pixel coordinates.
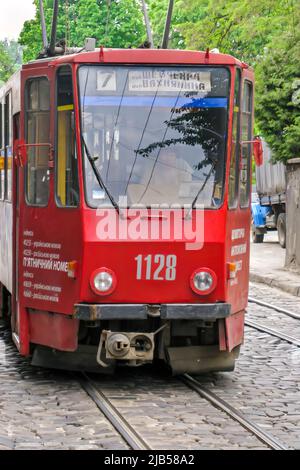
(258, 151)
(20, 153)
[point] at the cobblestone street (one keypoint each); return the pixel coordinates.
(40, 409)
(43, 409)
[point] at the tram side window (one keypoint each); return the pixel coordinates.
(2, 159)
(67, 187)
(38, 132)
(8, 146)
(246, 147)
(235, 149)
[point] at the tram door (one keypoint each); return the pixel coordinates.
(48, 236)
(239, 197)
(16, 206)
(239, 192)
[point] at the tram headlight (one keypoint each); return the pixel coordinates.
(103, 281)
(203, 281)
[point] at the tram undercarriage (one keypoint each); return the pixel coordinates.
(185, 345)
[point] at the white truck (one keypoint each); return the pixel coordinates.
(268, 212)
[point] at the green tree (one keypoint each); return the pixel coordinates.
(7, 65)
(278, 96)
(266, 35)
(242, 28)
(113, 23)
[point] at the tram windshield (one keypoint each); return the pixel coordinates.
(156, 135)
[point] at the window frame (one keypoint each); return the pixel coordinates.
(235, 202)
(7, 142)
(60, 206)
(246, 81)
(149, 65)
(26, 104)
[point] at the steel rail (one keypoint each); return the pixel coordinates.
(7, 442)
(274, 307)
(272, 332)
(128, 433)
(221, 404)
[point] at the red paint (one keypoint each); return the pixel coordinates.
(234, 330)
(101, 55)
(222, 335)
(56, 331)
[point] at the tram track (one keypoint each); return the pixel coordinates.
(117, 420)
(265, 437)
(271, 331)
(274, 307)
(136, 442)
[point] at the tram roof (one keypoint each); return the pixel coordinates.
(142, 56)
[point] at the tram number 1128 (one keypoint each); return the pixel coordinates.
(156, 267)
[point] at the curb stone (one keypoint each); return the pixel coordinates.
(287, 286)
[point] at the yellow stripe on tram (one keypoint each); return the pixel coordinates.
(67, 107)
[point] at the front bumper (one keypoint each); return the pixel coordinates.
(207, 312)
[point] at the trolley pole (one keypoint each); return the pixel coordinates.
(147, 23)
(54, 28)
(43, 25)
(165, 42)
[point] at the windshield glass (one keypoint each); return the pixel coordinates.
(157, 135)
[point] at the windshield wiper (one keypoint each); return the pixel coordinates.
(214, 162)
(98, 176)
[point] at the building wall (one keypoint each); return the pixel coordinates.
(292, 260)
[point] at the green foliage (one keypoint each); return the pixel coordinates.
(115, 23)
(265, 35)
(10, 59)
(241, 28)
(278, 96)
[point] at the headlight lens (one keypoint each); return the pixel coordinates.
(203, 281)
(103, 281)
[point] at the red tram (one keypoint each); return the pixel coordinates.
(125, 208)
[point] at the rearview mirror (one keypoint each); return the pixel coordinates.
(20, 155)
(258, 151)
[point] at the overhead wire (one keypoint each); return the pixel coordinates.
(161, 144)
(109, 2)
(142, 135)
(67, 34)
(115, 125)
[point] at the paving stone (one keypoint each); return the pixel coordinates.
(264, 386)
(274, 413)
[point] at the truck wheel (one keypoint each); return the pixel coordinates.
(256, 237)
(281, 227)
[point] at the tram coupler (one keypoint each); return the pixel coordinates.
(131, 347)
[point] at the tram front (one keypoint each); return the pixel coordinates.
(154, 278)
